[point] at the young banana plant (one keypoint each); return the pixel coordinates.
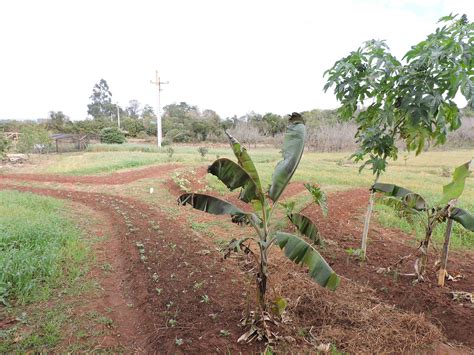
(444, 210)
(243, 174)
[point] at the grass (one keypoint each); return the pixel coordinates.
(424, 174)
(37, 245)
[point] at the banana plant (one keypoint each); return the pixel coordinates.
(243, 175)
(442, 211)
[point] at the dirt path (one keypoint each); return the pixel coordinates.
(166, 272)
(386, 246)
(185, 299)
(118, 178)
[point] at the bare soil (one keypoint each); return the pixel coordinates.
(165, 270)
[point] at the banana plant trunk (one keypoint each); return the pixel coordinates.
(262, 280)
(444, 257)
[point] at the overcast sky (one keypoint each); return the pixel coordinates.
(229, 56)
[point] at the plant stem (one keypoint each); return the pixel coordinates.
(444, 256)
(363, 246)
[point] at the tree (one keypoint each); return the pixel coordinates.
(33, 139)
(244, 175)
(101, 105)
(57, 121)
(133, 109)
(412, 102)
(112, 135)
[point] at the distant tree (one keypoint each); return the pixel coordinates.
(273, 124)
(101, 101)
(133, 109)
(57, 121)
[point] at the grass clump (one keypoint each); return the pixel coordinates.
(39, 247)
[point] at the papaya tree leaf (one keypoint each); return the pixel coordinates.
(213, 205)
(292, 151)
(319, 197)
(234, 176)
(410, 199)
(463, 217)
(456, 187)
(306, 227)
(245, 162)
(300, 252)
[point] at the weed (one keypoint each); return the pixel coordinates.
(205, 299)
(178, 341)
(224, 333)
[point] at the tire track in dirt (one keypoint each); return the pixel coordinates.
(343, 226)
(167, 271)
(117, 178)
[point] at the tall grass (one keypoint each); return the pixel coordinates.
(39, 246)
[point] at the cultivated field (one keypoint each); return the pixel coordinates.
(99, 256)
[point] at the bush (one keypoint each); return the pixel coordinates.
(112, 135)
(34, 139)
(203, 151)
(4, 145)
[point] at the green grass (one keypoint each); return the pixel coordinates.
(37, 245)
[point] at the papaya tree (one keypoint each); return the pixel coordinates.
(243, 175)
(409, 100)
(444, 210)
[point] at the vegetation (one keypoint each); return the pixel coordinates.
(34, 139)
(443, 211)
(112, 135)
(244, 175)
(411, 102)
(36, 241)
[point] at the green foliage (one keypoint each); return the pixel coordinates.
(244, 175)
(412, 101)
(170, 152)
(36, 241)
(203, 151)
(4, 145)
(101, 101)
(112, 135)
(34, 139)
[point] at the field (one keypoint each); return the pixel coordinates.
(132, 271)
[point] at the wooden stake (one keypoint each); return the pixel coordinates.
(444, 256)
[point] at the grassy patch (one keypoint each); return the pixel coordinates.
(38, 247)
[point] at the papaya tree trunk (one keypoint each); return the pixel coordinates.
(444, 256)
(368, 216)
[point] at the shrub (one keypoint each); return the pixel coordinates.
(112, 135)
(4, 145)
(203, 151)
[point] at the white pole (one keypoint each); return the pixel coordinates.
(118, 115)
(158, 116)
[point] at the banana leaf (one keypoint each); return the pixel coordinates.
(300, 252)
(306, 227)
(245, 162)
(292, 151)
(463, 217)
(213, 205)
(455, 188)
(234, 176)
(409, 198)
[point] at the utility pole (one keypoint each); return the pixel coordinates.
(118, 115)
(158, 84)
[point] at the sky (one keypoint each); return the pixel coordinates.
(233, 57)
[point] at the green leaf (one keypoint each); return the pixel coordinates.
(213, 205)
(293, 147)
(455, 188)
(319, 197)
(300, 252)
(463, 217)
(410, 199)
(234, 176)
(306, 227)
(245, 162)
